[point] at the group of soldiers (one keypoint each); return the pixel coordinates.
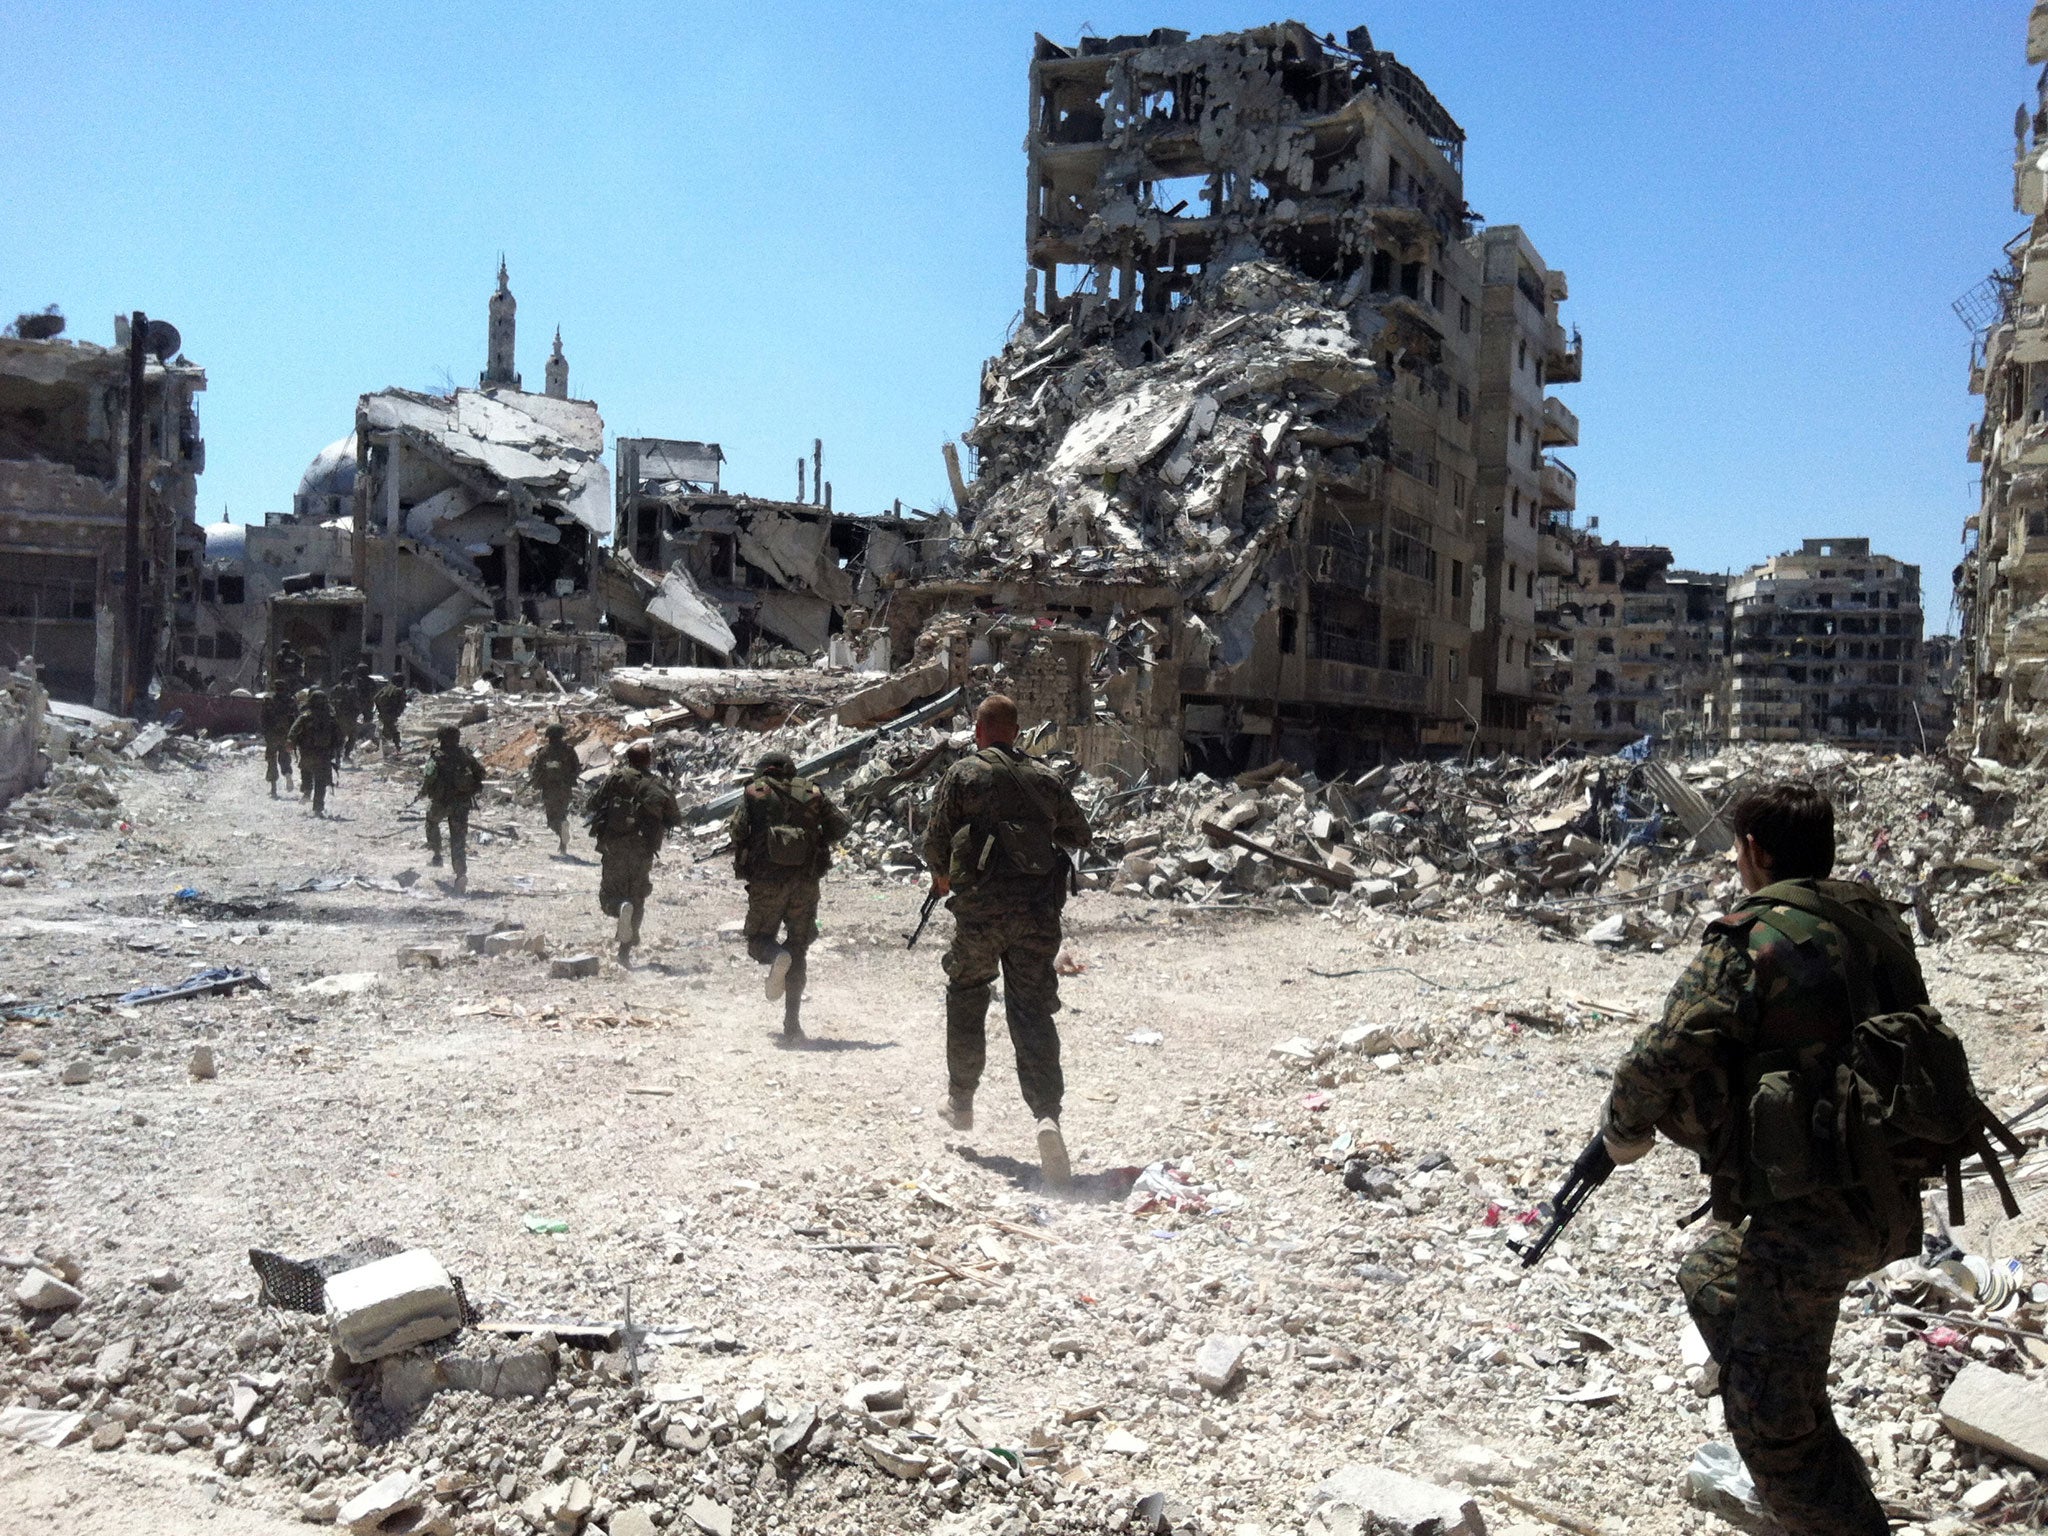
(1797, 966)
(320, 728)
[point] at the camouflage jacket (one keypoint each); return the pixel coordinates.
(454, 776)
(390, 701)
(555, 766)
(794, 801)
(998, 784)
(1768, 976)
(316, 731)
(631, 808)
(276, 715)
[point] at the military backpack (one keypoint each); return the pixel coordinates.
(787, 823)
(1891, 1102)
(1013, 838)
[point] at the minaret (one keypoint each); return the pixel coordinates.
(498, 372)
(558, 370)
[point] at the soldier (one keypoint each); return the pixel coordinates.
(999, 822)
(348, 712)
(451, 784)
(287, 669)
(1765, 1288)
(629, 814)
(782, 833)
(390, 704)
(366, 696)
(316, 737)
(554, 771)
(277, 715)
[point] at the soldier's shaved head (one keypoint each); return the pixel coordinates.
(640, 755)
(996, 721)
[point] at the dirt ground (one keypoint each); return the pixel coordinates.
(729, 1180)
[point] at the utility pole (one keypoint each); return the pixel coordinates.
(134, 677)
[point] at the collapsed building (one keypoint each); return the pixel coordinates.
(704, 576)
(1825, 645)
(1631, 648)
(1226, 502)
(2001, 585)
(100, 457)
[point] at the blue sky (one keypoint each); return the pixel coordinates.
(764, 224)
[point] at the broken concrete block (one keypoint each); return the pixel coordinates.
(633, 1520)
(875, 1396)
(908, 1465)
(39, 1426)
(114, 1363)
(376, 1506)
(432, 957)
(516, 942)
(1219, 1360)
(788, 1442)
(1351, 1497)
(41, 1291)
(201, 1064)
(568, 1503)
(569, 967)
(1991, 1408)
(380, 1308)
(408, 1379)
(75, 1073)
(709, 1516)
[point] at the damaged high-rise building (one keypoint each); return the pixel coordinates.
(100, 456)
(2001, 586)
(1232, 451)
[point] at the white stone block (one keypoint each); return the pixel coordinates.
(380, 1308)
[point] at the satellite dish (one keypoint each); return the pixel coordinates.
(162, 338)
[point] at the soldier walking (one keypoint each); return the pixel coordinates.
(629, 813)
(453, 779)
(1000, 823)
(1773, 977)
(554, 771)
(316, 737)
(390, 704)
(277, 715)
(349, 705)
(782, 833)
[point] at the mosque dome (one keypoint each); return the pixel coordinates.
(332, 472)
(227, 541)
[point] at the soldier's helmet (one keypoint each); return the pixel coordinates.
(317, 699)
(776, 765)
(557, 732)
(448, 736)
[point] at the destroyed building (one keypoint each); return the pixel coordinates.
(2001, 585)
(1631, 648)
(1230, 450)
(704, 576)
(1525, 493)
(74, 443)
(477, 509)
(1825, 646)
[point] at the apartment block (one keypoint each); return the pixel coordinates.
(2001, 586)
(1524, 491)
(1825, 645)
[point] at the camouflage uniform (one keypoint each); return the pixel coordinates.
(554, 771)
(630, 812)
(782, 899)
(277, 731)
(390, 704)
(451, 783)
(316, 737)
(1765, 1289)
(1003, 919)
(348, 713)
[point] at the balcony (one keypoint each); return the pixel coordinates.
(1349, 683)
(1563, 363)
(1560, 424)
(1560, 487)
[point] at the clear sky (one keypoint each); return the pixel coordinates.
(760, 224)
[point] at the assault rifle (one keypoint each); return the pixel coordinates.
(931, 900)
(1587, 1175)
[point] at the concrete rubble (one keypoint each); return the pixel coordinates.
(391, 1304)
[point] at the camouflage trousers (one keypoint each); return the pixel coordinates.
(1022, 943)
(555, 803)
(387, 731)
(625, 874)
(1766, 1297)
(277, 759)
(783, 914)
(456, 814)
(316, 777)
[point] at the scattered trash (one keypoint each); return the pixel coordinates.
(215, 980)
